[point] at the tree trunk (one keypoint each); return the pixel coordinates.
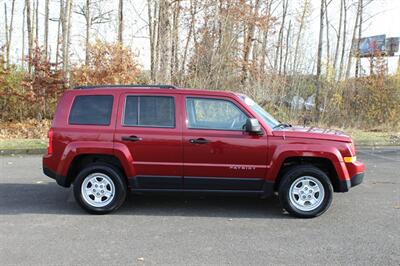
(30, 36)
(265, 37)
(328, 46)
(151, 37)
(353, 40)
(344, 40)
(88, 25)
(65, 17)
(23, 37)
(319, 60)
(163, 74)
(46, 29)
(339, 32)
(7, 39)
(175, 41)
(193, 10)
(58, 42)
(278, 52)
(248, 45)
(299, 34)
(37, 23)
(10, 30)
(287, 48)
(360, 22)
(120, 21)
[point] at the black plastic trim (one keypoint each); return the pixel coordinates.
(61, 180)
(223, 183)
(156, 182)
(207, 185)
(345, 186)
(357, 179)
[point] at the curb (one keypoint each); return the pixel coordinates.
(22, 151)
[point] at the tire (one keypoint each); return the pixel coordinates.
(305, 191)
(100, 188)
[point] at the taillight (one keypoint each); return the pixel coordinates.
(50, 145)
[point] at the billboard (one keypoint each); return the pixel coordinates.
(392, 46)
(370, 46)
(376, 45)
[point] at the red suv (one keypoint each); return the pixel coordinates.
(107, 139)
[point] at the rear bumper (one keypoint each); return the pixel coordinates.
(61, 180)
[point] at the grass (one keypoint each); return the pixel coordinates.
(361, 138)
(17, 144)
(368, 138)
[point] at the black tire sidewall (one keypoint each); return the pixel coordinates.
(292, 175)
(119, 184)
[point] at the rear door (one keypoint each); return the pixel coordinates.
(218, 154)
(148, 125)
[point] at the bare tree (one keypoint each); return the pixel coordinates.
(278, 53)
(120, 20)
(338, 37)
(265, 35)
(46, 28)
(248, 43)
(152, 7)
(360, 23)
(30, 34)
(163, 74)
(175, 40)
(65, 18)
(93, 14)
(9, 30)
(353, 41)
(344, 39)
(319, 59)
(287, 48)
(193, 10)
(305, 12)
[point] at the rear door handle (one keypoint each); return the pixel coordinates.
(199, 141)
(131, 138)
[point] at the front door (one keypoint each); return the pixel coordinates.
(218, 154)
(149, 127)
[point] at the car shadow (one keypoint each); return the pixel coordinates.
(49, 198)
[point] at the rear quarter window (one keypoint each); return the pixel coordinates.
(91, 110)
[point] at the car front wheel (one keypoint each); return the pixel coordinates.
(305, 191)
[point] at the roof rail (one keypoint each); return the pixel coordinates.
(160, 86)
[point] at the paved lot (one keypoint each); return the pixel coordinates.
(41, 224)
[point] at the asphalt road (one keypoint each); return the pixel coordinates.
(41, 224)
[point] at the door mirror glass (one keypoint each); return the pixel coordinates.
(253, 126)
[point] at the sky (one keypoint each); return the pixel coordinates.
(384, 19)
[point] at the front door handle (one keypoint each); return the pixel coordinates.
(131, 138)
(199, 141)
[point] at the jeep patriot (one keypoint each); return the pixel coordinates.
(106, 140)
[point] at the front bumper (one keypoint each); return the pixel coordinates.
(356, 173)
(355, 180)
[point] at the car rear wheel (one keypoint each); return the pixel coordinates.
(305, 191)
(100, 188)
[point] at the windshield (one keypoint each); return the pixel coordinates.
(266, 117)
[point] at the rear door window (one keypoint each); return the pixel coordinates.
(149, 111)
(91, 110)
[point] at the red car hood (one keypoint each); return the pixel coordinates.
(313, 133)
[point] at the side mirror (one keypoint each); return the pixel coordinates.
(253, 126)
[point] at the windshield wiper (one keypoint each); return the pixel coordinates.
(282, 125)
